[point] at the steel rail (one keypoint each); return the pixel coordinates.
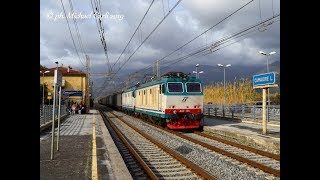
(169, 151)
(130, 148)
(254, 150)
(221, 151)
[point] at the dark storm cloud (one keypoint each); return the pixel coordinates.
(189, 19)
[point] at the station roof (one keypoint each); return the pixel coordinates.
(64, 71)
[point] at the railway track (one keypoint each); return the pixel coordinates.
(134, 167)
(149, 159)
(265, 163)
(241, 155)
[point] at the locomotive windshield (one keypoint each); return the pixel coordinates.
(175, 87)
(193, 87)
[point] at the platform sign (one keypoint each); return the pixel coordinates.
(72, 93)
(264, 79)
(57, 77)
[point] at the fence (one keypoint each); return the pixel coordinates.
(242, 111)
(46, 113)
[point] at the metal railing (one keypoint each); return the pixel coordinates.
(252, 112)
(46, 113)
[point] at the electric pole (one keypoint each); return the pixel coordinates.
(87, 98)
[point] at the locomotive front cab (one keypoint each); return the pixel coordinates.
(184, 103)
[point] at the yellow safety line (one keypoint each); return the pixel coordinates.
(94, 174)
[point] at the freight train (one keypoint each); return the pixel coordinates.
(174, 100)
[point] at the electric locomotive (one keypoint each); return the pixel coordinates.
(175, 100)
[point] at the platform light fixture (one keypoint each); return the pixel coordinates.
(197, 72)
(265, 54)
(224, 86)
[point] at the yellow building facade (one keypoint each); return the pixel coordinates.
(74, 85)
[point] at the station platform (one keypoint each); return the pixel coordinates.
(86, 151)
(248, 132)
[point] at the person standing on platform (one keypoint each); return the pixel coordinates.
(79, 108)
(73, 108)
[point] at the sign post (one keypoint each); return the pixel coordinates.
(59, 113)
(53, 118)
(57, 82)
(264, 82)
(264, 112)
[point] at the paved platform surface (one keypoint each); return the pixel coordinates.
(248, 131)
(81, 155)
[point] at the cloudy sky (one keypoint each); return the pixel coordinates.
(189, 19)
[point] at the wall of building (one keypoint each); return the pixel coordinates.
(74, 82)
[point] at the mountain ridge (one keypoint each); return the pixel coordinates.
(211, 75)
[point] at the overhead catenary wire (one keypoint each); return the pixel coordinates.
(144, 40)
(77, 29)
(180, 47)
(238, 35)
(225, 40)
(78, 33)
(130, 40)
(206, 30)
(96, 7)
(134, 33)
(149, 35)
(64, 11)
(197, 54)
(220, 42)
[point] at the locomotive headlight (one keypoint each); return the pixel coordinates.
(174, 112)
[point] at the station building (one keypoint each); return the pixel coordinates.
(74, 85)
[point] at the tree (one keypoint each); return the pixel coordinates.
(275, 98)
(43, 68)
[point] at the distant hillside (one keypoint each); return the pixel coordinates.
(214, 74)
(211, 75)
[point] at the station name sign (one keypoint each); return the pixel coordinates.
(264, 79)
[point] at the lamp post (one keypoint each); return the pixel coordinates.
(265, 54)
(43, 90)
(224, 85)
(196, 72)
